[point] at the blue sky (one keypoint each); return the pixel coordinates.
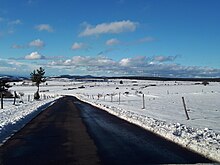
(173, 38)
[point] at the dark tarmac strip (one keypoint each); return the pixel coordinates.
(73, 132)
(55, 136)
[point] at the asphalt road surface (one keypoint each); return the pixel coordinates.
(73, 132)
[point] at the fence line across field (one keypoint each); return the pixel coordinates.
(30, 98)
(116, 97)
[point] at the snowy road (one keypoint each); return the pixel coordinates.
(56, 136)
(68, 133)
(119, 142)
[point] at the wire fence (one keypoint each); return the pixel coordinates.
(22, 98)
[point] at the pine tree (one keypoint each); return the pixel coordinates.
(4, 86)
(37, 76)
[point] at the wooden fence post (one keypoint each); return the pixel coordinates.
(14, 100)
(143, 103)
(184, 105)
(15, 95)
(119, 99)
(1, 100)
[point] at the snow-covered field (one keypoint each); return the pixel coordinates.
(13, 118)
(161, 111)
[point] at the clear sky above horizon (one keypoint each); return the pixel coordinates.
(174, 38)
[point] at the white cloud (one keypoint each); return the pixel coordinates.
(8, 27)
(34, 56)
(112, 42)
(14, 67)
(78, 46)
(112, 27)
(15, 22)
(164, 58)
(37, 43)
(125, 62)
(138, 66)
(86, 61)
(44, 27)
(16, 46)
(101, 65)
(137, 61)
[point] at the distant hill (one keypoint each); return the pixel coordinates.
(167, 78)
(139, 78)
(12, 78)
(19, 78)
(73, 76)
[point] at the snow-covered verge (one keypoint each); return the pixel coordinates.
(203, 141)
(13, 118)
(162, 111)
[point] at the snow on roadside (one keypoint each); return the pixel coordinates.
(13, 118)
(163, 113)
(203, 141)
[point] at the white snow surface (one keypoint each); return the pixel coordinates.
(162, 113)
(14, 117)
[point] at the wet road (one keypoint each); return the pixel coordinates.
(120, 142)
(55, 136)
(72, 132)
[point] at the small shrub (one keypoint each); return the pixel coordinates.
(71, 88)
(205, 83)
(81, 87)
(140, 92)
